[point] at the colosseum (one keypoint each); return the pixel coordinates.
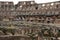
(28, 20)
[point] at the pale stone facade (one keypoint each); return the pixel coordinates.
(30, 21)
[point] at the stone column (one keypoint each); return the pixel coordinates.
(39, 38)
(22, 31)
(30, 30)
(26, 31)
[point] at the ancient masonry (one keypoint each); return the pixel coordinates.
(28, 20)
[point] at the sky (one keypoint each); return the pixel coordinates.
(37, 1)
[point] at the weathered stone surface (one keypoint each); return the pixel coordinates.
(8, 33)
(10, 38)
(1, 33)
(29, 18)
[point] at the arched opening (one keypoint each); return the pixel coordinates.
(48, 21)
(36, 8)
